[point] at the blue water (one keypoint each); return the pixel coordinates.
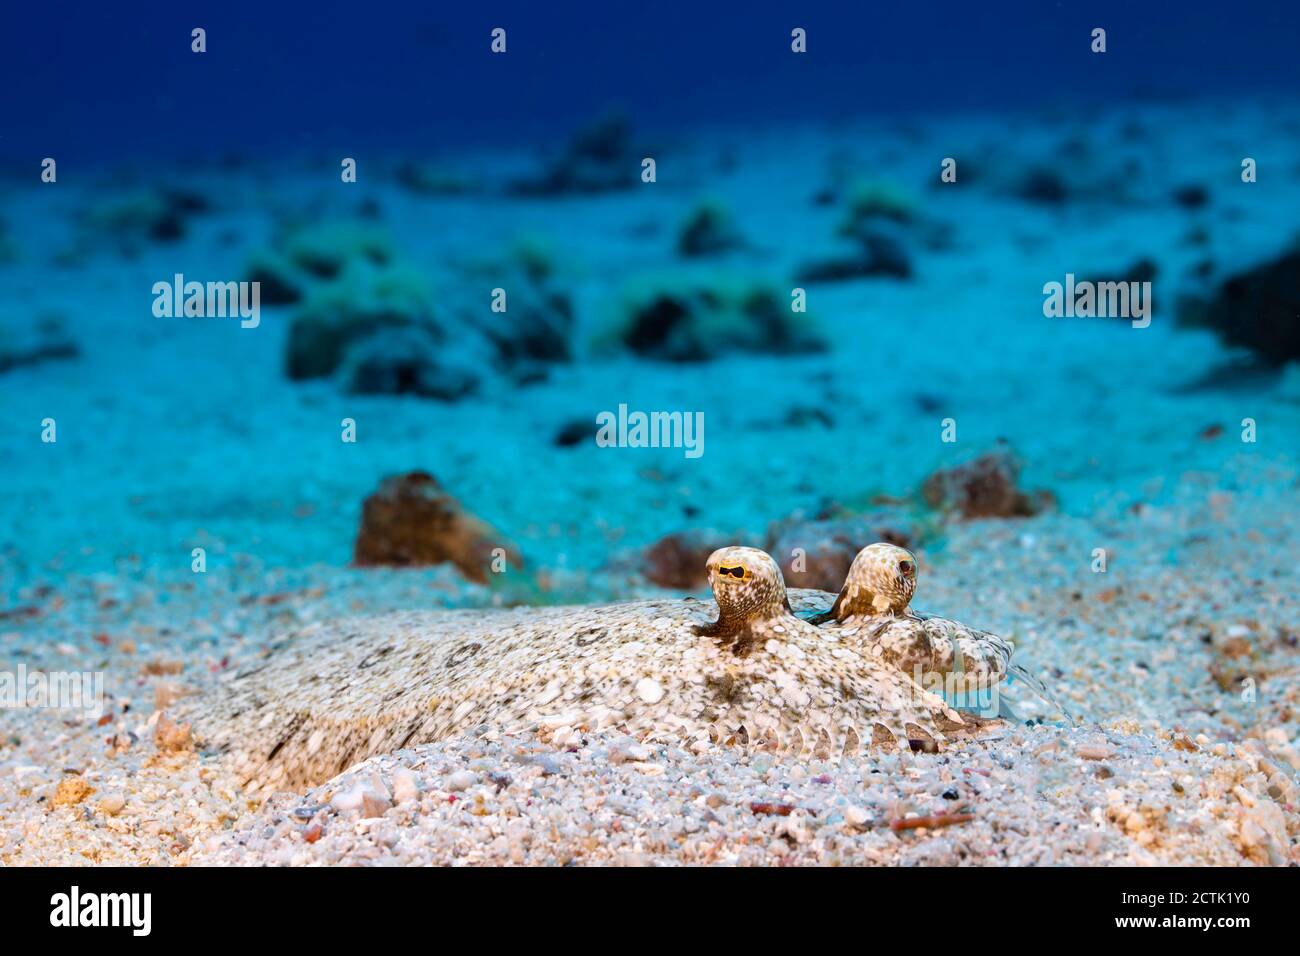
(97, 80)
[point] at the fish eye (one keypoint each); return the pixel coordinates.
(738, 572)
(906, 567)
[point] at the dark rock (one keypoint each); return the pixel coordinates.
(26, 343)
(540, 326)
(699, 322)
(378, 328)
(405, 360)
(1258, 308)
(186, 202)
(129, 222)
(536, 329)
(824, 548)
(574, 433)
(315, 347)
(801, 416)
(599, 158)
(984, 487)
(279, 284)
(325, 251)
(929, 403)
(1041, 185)
(878, 256)
(411, 521)
(1141, 270)
(1192, 196)
(709, 231)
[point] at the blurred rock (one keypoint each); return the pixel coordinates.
(708, 231)
(877, 255)
(537, 327)
(325, 250)
(1192, 196)
(540, 326)
(676, 561)
(984, 487)
(1075, 171)
(171, 737)
(574, 433)
(410, 521)
(405, 360)
(279, 282)
(30, 343)
(1258, 308)
(129, 222)
(431, 179)
(1040, 184)
(698, 320)
(816, 553)
(600, 157)
(872, 201)
(379, 327)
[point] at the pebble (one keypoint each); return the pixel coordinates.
(629, 752)
(374, 804)
(71, 791)
(112, 803)
(1095, 751)
(856, 817)
(649, 690)
(461, 780)
(406, 787)
(350, 799)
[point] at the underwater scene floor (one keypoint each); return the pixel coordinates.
(182, 498)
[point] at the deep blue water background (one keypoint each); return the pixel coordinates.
(119, 80)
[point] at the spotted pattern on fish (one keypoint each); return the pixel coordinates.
(745, 672)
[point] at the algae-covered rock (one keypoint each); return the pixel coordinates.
(303, 257)
(871, 201)
(380, 327)
(693, 320)
(325, 250)
(128, 222)
(338, 314)
(880, 221)
(405, 360)
(540, 325)
(411, 521)
(708, 231)
(536, 328)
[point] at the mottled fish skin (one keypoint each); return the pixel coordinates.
(744, 671)
(873, 614)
